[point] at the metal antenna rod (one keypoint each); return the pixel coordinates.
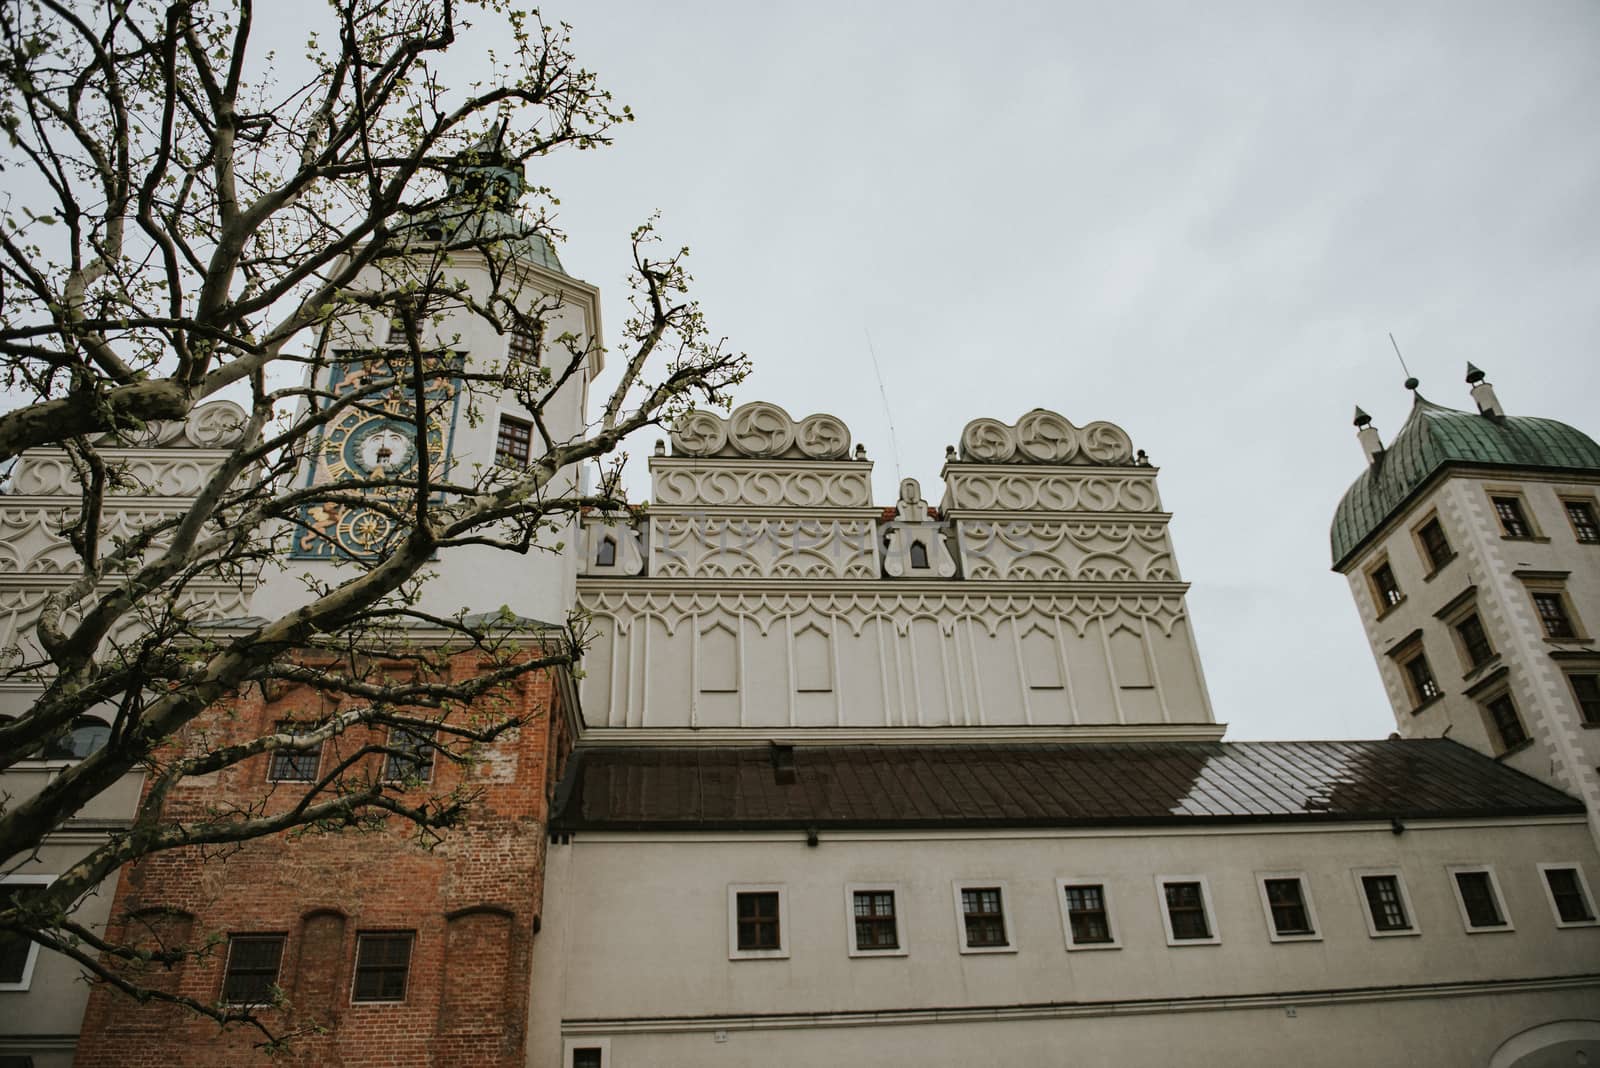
(1402, 359)
(894, 444)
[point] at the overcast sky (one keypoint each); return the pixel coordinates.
(1197, 221)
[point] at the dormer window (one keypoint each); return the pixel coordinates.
(606, 554)
(919, 556)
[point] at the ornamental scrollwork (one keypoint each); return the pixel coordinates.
(760, 430)
(1045, 437)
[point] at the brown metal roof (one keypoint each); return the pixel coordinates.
(1072, 784)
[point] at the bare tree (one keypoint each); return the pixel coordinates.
(180, 227)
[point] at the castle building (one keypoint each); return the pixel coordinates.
(1472, 547)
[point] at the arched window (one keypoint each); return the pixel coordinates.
(919, 555)
(87, 735)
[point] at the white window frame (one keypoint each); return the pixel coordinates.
(1315, 934)
(1205, 899)
(734, 890)
(1499, 898)
(569, 1046)
(1405, 902)
(1066, 916)
(1005, 914)
(850, 891)
(33, 947)
(1583, 885)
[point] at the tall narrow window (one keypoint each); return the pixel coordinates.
(919, 556)
(411, 756)
(1286, 903)
(1569, 895)
(1507, 724)
(1386, 904)
(294, 765)
(1513, 523)
(758, 922)
(1435, 546)
(1586, 688)
(875, 922)
(252, 969)
(1480, 901)
(1552, 610)
(1088, 921)
(606, 554)
(1420, 679)
(1585, 524)
(1186, 915)
(513, 445)
(1385, 587)
(17, 951)
(383, 963)
(1474, 640)
(983, 917)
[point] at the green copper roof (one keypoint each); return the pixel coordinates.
(1434, 437)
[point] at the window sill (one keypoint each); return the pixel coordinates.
(1417, 710)
(1312, 936)
(976, 950)
(1574, 640)
(901, 952)
(1178, 943)
(1577, 923)
(1429, 577)
(1586, 725)
(759, 954)
(1082, 947)
(1537, 539)
(1478, 669)
(1409, 932)
(1504, 928)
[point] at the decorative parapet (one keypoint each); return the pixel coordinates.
(761, 431)
(1045, 437)
(693, 483)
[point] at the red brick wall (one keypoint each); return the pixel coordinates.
(472, 901)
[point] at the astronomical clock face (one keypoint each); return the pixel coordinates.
(373, 444)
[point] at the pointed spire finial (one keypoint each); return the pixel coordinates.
(1474, 373)
(1362, 418)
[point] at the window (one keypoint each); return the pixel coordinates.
(1186, 910)
(522, 348)
(513, 445)
(1288, 907)
(587, 1057)
(252, 969)
(1513, 521)
(874, 920)
(88, 735)
(1478, 894)
(1436, 549)
(18, 952)
(919, 556)
(383, 961)
(1585, 524)
(587, 1052)
(981, 910)
(1388, 905)
(758, 921)
(1384, 587)
(1419, 679)
(1086, 914)
(606, 554)
(1551, 607)
(1474, 641)
(294, 765)
(411, 756)
(1586, 688)
(1568, 891)
(1506, 724)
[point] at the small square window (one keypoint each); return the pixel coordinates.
(294, 765)
(18, 952)
(1435, 546)
(587, 1057)
(522, 348)
(1186, 910)
(981, 910)
(874, 920)
(411, 756)
(1086, 914)
(383, 964)
(1508, 729)
(1388, 905)
(1551, 607)
(513, 445)
(1513, 521)
(1569, 895)
(1586, 688)
(1288, 907)
(1585, 523)
(1478, 894)
(252, 969)
(586, 1052)
(1419, 679)
(1385, 588)
(758, 921)
(1473, 639)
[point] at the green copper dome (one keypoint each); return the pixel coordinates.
(1435, 437)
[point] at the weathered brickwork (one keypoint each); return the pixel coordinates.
(472, 901)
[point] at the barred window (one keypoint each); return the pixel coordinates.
(294, 765)
(412, 756)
